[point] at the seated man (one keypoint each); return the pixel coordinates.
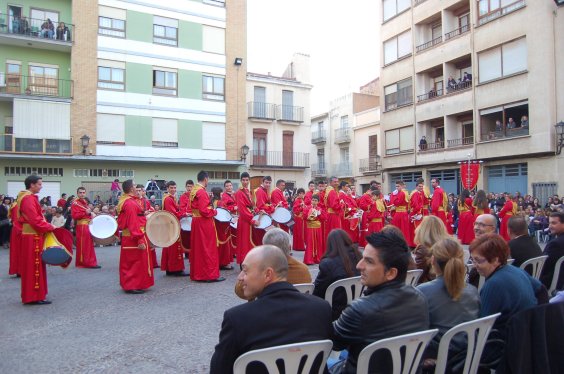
(521, 246)
(389, 307)
(554, 250)
(279, 315)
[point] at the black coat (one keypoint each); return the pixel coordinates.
(554, 250)
(524, 248)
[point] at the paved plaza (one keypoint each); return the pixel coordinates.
(94, 327)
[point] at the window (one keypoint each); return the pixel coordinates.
(39, 16)
(345, 155)
(164, 82)
(259, 146)
(110, 129)
(398, 94)
(213, 136)
(80, 173)
(165, 132)
(43, 80)
(345, 122)
(165, 31)
(213, 39)
(502, 61)
(505, 121)
(397, 47)
(111, 27)
(321, 158)
(491, 9)
(399, 140)
(394, 7)
(287, 105)
(111, 78)
(13, 78)
(213, 87)
(16, 171)
(126, 173)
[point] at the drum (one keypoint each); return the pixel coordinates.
(281, 215)
(103, 228)
(223, 215)
(57, 248)
(234, 221)
(163, 229)
(186, 224)
(264, 221)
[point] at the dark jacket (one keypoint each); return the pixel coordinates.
(280, 315)
(388, 310)
(554, 250)
(524, 248)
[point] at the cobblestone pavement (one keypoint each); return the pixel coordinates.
(94, 327)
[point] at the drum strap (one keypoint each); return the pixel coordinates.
(84, 221)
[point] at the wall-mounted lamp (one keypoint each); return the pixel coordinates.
(244, 152)
(85, 141)
(559, 136)
(238, 61)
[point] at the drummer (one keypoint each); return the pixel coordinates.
(246, 210)
(147, 209)
(278, 200)
(226, 233)
(263, 205)
(172, 258)
(349, 221)
(82, 214)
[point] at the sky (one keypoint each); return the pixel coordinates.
(339, 35)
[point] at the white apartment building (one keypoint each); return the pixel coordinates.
(452, 69)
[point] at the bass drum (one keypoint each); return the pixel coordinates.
(282, 215)
(163, 229)
(222, 215)
(264, 221)
(103, 228)
(57, 248)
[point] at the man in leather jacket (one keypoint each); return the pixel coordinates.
(389, 307)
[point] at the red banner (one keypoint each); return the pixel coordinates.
(469, 173)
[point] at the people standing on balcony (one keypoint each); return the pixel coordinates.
(63, 32)
(423, 143)
(467, 77)
(511, 124)
(451, 84)
(24, 26)
(525, 122)
(498, 126)
(47, 29)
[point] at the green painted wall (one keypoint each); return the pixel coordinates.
(27, 55)
(64, 7)
(138, 131)
(190, 35)
(189, 134)
(139, 78)
(189, 84)
(139, 26)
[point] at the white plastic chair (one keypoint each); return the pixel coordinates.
(552, 289)
(305, 287)
(352, 286)
(537, 264)
(414, 345)
(290, 354)
(413, 277)
(477, 332)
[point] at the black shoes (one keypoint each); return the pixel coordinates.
(135, 292)
(94, 267)
(220, 279)
(40, 302)
(177, 274)
(228, 267)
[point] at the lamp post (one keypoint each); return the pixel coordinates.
(85, 141)
(559, 136)
(244, 152)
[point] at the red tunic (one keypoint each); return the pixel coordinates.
(315, 240)
(375, 216)
(225, 231)
(466, 220)
(439, 204)
(401, 218)
(307, 197)
(276, 198)
(32, 268)
(244, 227)
(323, 208)
(15, 237)
(149, 208)
(416, 204)
(185, 208)
(364, 203)
(204, 254)
(298, 231)
(135, 267)
(334, 211)
(262, 202)
(85, 253)
(61, 203)
(172, 258)
(508, 211)
(348, 223)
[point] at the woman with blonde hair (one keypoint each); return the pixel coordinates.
(430, 231)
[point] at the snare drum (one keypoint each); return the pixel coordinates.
(264, 221)
(222, 215)
(102, 228)
(186, 224)
(282, 215)
(163, 228)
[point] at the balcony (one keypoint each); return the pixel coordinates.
(453, 143)
(429, 44)
(417, 2)
(318, 137)
(432, 146)
(11, 144)
(279, 159)
(430, 95)
(459, 31)
(458, 87)
(503, 134)
(342, 135)
(343, 169)
(485, 18)
(318, 170)
(370, 165)
(23, 85)
(290, 114)
(13, 30)
(261, 111)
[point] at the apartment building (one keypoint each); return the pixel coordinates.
(123, 89)
(278, 125)
(472, 80)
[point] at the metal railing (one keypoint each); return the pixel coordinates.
(371, 164)
(36, 28)
(505, 133)
(429, 44)
(280, 159)
(290, 113)
(259, 110)
(458, 31)
(460, 142)
(318, 170)
(15, 84)
(461, 86)
(343, 169)
(12, 144)
(319, 137)
(501, 12)
(431, 146)
(342, 135)
(430, 95)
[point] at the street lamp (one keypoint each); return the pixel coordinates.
(238, 61)
(560, 136)
(244, 152)
(85, 140)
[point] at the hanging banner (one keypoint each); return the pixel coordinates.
(469, 173)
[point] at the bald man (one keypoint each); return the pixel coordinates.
(485, 224)
(279, 315)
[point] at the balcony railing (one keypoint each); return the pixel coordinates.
(279, 159)
(501, 12)
(429, 44)
(506, 133)
(461, 86)
(318, 137)
(36, 28)
(290, 113)
(342, 135)
(431, 146)
(318, 170)
(460, 142)
(459, 31)
(12, 144)
(259, 110)
(430, 95)
(14, 84)
(343, 169)
(370, 165)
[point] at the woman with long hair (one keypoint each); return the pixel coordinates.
(481, 203)
(339, 262)
(466, 218)
(431, 230)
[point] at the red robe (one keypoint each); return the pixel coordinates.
(204, 254)
(85, 253)
(135, 266)
(439, 204)
(466, 220)
(225, 231)
(349, 224)
(15, 237)
(149, 208)
(323, 208)
(364, 203)
(172, 258)
(32, 268)
(315, 240)
(333, 208)
(277, 197)
(416, 204)
(244, 224)
(307, 197)
(262, 202)
(298, 231)
(375, 216)
(61, 203)
(400, 218)
(184, 206)
(450, 222)
(509, 210)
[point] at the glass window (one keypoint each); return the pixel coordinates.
(165, 33)
(399, 140)
(397, 47)
(394, 7)
(213, 87)
(111, 78)
(164, 82)
(510, 58)
(43, 80)
(111, 27)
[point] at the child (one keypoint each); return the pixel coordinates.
(314, 245)
(299, 229)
